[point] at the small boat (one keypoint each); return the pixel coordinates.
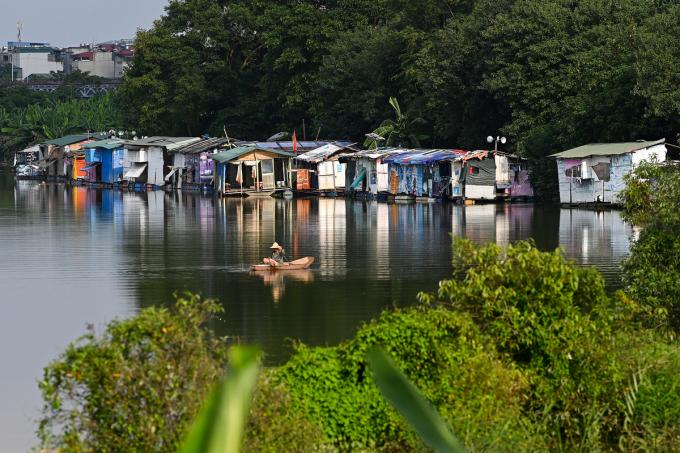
(302, 263)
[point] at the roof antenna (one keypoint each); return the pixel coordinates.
(20, 27)
(226, 135)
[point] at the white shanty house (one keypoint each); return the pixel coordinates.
(594, 173)
(145, 159)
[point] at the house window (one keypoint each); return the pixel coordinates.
(474, 170)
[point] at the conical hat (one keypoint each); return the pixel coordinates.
(275, 245)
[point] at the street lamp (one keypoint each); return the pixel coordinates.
(495, 141)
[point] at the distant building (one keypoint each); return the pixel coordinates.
(107, 60)
(31, 59)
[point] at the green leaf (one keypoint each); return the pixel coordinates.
(410, 403)
(220, 425)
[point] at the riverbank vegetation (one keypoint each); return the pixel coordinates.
(652, 272)
(521, 350)
(28, 117)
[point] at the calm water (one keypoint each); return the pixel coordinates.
(73, 256)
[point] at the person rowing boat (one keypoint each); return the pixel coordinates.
(278, 256)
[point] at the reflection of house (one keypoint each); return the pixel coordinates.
(321, 170)
(104, 160)
(192, 165)
(144, 160)
(250, 169)
(594, 172)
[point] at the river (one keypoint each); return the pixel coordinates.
(72, 256)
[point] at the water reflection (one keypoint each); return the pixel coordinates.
(73, 255)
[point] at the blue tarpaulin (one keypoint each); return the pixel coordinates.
(423, 157)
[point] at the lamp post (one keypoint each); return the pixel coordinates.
(491, 139)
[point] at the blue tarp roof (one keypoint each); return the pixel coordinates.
(423, 156)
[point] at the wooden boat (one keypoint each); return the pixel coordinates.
(302, 263)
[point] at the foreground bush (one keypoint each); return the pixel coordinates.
(136, 387)
(651, 274)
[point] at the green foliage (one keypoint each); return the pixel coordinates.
(219, 426)
(442, 353)
(400, 132)
(651, 420)
(21, 126)
(406, 398)
(276, 424)
(651, 273)
(554, 320)
(137, 386)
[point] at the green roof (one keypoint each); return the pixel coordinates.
(235, 153)
(74, 138)
(605, 149)
(106, 144)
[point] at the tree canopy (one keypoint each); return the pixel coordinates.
(591, 69)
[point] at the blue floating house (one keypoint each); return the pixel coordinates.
(104, 161)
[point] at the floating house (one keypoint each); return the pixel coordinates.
(321, 170)
(26, 163)
(478, 175)
(512, 177)
(594, 173)
(104, 161)
(250, 170)
(192, 166)
(366, 174)
(145, 160)
(60, 154)
(423, 172)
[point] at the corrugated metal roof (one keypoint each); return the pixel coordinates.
(606, 149)
(235, 153)
(31, 149)
(74, 138)
(302, 146)
(159, 141)
(373, 153)
(322, 153)
(207, 144)
(106, 144)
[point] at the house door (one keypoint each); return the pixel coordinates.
(268, 179)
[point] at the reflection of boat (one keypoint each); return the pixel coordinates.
(278, 279)
(302, 263)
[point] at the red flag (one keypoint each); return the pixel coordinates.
(294, 142)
